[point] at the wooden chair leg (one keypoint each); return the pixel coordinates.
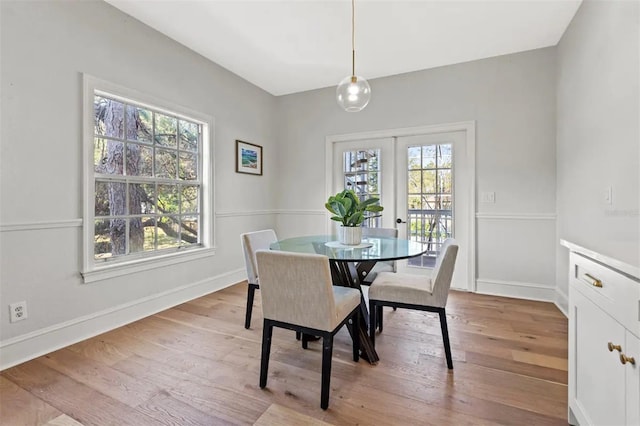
(327, 352)
(445, 338)
(250, 293)
(373, 310)
(267, 332)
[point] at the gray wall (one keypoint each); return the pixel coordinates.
(598, 139)
(512, 98)
(46, 46)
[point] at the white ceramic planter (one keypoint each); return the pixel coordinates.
(350, 235)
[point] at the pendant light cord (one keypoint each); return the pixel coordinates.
(353, 38)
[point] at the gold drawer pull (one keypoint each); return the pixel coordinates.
(627, 359)
(594, 281)
(613, 347)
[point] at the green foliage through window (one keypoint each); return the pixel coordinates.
(147, 179)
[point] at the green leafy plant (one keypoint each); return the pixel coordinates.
(347, 208)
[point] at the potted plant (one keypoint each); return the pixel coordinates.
(347, 209)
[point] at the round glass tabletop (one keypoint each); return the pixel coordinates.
(371, 248)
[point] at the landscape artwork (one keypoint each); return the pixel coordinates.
(248, 158)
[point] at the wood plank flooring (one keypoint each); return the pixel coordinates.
(195, 364)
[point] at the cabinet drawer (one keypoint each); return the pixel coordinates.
(614, 292)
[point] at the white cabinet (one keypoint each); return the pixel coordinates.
(597, 377)
(632, 379)
(604, 331)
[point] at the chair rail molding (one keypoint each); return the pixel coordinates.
(516, 216)
(44, 224)
(237, 213)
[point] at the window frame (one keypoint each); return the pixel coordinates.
(96, 270)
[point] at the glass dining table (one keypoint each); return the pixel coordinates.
(351, 264)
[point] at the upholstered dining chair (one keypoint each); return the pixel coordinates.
(297, 294)
(417, 292)
(252, 242)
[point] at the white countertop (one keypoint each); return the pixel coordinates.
(629, 270)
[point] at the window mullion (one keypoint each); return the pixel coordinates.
(194, 161)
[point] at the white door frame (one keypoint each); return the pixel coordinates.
(469, 127)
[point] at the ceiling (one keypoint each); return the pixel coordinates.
(291, 46)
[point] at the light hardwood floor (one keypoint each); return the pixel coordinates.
(195, 364)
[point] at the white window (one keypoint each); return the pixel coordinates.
(148, 187)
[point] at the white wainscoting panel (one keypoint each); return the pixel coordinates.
(31, 345)
(516, 255)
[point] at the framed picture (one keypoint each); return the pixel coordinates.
(248, 158)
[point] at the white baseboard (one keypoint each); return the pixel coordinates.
(516, 289)
(23, 348)
(562, 302)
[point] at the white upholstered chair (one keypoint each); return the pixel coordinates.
(252, 242)
(417, 292)
(297, 294)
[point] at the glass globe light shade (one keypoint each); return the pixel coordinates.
(353, 93)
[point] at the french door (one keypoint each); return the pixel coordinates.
(432, 198)
(425, 181)
(366, 166)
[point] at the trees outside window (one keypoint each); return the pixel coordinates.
(147, 179)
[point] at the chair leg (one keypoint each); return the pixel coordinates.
(356, 335)
(445, 338)
(267, 332)
(305, 341)
(373, 310)
(298, 335)
(327, 352)
(250, 293)
(380, 318)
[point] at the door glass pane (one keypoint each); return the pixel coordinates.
(429, 200)
(414, 182)
(429, 182)
(361, 169)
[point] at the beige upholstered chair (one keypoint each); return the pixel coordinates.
(384, 266)
(417, 292)
(297, 294)
(252, 242)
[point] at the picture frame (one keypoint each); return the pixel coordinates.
(248, 158)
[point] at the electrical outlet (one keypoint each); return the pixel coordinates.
(488, 197)
(18, 311)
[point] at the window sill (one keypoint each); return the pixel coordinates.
(106, 272)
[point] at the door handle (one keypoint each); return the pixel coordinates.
(398, 220)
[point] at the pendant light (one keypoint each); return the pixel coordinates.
(353, 92)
